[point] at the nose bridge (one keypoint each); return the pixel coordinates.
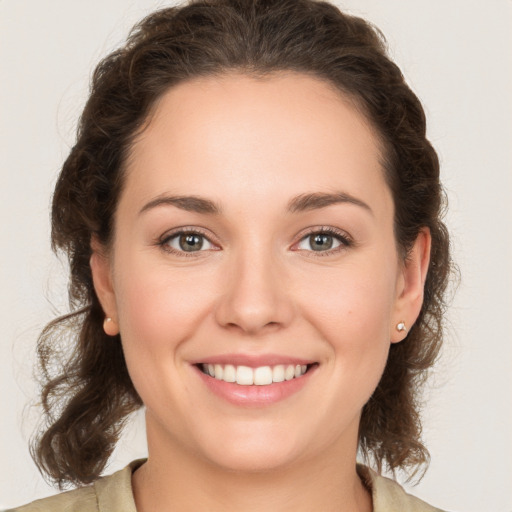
(255, 295)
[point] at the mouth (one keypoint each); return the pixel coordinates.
(258, 376)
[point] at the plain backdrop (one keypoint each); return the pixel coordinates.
(457, 56)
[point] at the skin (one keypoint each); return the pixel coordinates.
(256, 287)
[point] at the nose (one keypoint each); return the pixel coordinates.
(256, 296)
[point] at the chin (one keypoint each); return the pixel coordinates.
(257, 454)
(250, 461)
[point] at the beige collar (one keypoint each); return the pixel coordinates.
(115, 492)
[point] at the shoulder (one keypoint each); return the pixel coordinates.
(389, 496)
(109, 493)
(79, 500)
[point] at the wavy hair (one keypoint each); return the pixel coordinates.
(86, 392)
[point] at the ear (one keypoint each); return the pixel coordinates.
(410, 286)
(102, 280)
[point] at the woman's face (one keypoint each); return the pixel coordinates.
(254, 239)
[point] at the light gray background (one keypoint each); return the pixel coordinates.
(457, 56)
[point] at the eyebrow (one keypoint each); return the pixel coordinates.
(300, 203)
(189, 203)
(317, 200)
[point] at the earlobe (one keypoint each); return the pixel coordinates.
(412, 283)
(103, 286)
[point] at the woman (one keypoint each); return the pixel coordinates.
(252, 217)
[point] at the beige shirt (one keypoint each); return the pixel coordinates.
(114, 494)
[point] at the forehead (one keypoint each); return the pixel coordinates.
(236, 133)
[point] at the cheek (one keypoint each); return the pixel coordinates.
(353, 303)
(159, 311)
(352, 310)
(161, 306)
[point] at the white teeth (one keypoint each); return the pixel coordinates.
(244, 375)
(263, 376)
(219, 371)
(260, 376)
(229, 373)
(278, 373)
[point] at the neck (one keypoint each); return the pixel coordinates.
(182, 481)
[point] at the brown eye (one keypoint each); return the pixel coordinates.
(324, 241)
(187, 241)
(191, 242)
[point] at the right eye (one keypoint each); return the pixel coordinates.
(186, 242)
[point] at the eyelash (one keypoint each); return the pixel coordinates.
(340, 236)
(163, 243)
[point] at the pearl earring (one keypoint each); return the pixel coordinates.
(400, 326)
(109, 327)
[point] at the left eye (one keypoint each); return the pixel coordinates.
(321, 241)
(188, 242)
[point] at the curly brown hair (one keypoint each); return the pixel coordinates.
(88, 395)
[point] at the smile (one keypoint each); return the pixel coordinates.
(259, 376)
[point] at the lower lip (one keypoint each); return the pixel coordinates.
(255, 395)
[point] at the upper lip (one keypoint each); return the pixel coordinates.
(252, 360)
